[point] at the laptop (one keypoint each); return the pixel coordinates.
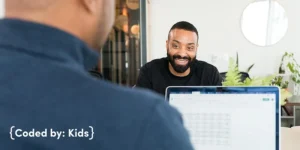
(229, 118)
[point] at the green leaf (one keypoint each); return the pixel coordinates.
(247, 82)
(284, 95)
(285, 84)
(268, 80)
(256, 81)
(291, 67)
(233, 75)
(249, 68)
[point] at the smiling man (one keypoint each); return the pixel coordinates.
(180, 67)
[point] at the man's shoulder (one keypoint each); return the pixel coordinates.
(126, 96)
(155, 63)
(153, 118)
(204, 65)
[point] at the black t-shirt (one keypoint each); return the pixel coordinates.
(156, 76)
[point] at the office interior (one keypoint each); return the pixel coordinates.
(235, 30)
(263, 35)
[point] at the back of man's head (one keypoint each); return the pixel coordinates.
(89, 20)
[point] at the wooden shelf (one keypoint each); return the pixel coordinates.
(292, 104)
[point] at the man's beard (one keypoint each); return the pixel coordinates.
(180, 68)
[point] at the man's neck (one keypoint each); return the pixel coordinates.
(184, 74)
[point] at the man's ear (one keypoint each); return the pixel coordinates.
(91, 5)
(167, 42)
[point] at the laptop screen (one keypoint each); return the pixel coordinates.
(229, 118)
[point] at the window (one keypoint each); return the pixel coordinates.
(121, 56)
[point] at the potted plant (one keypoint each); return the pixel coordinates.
(294, 70)
(233, 78)
(237, 64)
(242, 74)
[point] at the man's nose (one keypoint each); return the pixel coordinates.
(182, 52)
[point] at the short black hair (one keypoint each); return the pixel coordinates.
(184, 25)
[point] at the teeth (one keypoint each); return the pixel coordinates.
(181, 61)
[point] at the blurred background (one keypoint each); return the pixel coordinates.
(123, 53)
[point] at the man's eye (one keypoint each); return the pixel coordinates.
(191, 48)
(175, 46)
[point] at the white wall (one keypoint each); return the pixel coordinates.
(218, 23)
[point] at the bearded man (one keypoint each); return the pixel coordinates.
(180, 67)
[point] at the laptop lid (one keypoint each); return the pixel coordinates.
(229, 118)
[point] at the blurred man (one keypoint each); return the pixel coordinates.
(45, 87)
(180, 67)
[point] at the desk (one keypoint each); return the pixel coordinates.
(290, 138)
